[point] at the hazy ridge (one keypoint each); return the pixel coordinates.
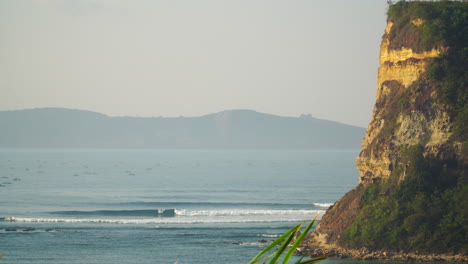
(67, 128)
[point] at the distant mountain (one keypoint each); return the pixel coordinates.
(66, 128)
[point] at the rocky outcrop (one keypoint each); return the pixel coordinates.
(409, 111)
(398, 70)
(402, 65)
(366, 254)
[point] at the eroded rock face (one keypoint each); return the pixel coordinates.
(329, 230)
(402, 65)
(409, 203)
(425, 121)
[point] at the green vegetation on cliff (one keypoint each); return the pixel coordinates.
(426, 212)
(424, 26)
(444, 25)
(422, 207)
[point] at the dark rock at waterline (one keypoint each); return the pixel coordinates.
(263, 241)
(29, 229)
(11, 229)
(366, 254)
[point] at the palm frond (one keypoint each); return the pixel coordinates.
(284, 241)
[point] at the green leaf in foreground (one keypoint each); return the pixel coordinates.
(285, 241)
(298, 241)
(272, 245)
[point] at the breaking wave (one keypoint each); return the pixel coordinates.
(149, 213)
(180, 216)
(324, 205)
(244, 212)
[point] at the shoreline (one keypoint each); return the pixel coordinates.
(366, 254)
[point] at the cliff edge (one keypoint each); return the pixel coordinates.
(411, 201)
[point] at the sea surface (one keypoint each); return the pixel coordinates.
(161, 206)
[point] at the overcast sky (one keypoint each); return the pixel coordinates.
(192, 57)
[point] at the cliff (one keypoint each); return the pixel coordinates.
(411, 199)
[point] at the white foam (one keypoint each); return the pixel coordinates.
(191, 216)
(325, 205)
(171, 220)
(255, 244)
(29, 231)
(268, 235)
(245, 212)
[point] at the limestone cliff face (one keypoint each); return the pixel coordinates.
(409, 111)
(398, 70)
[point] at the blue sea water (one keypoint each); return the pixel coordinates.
(116, 206)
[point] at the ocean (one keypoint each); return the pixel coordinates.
(107, 206)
